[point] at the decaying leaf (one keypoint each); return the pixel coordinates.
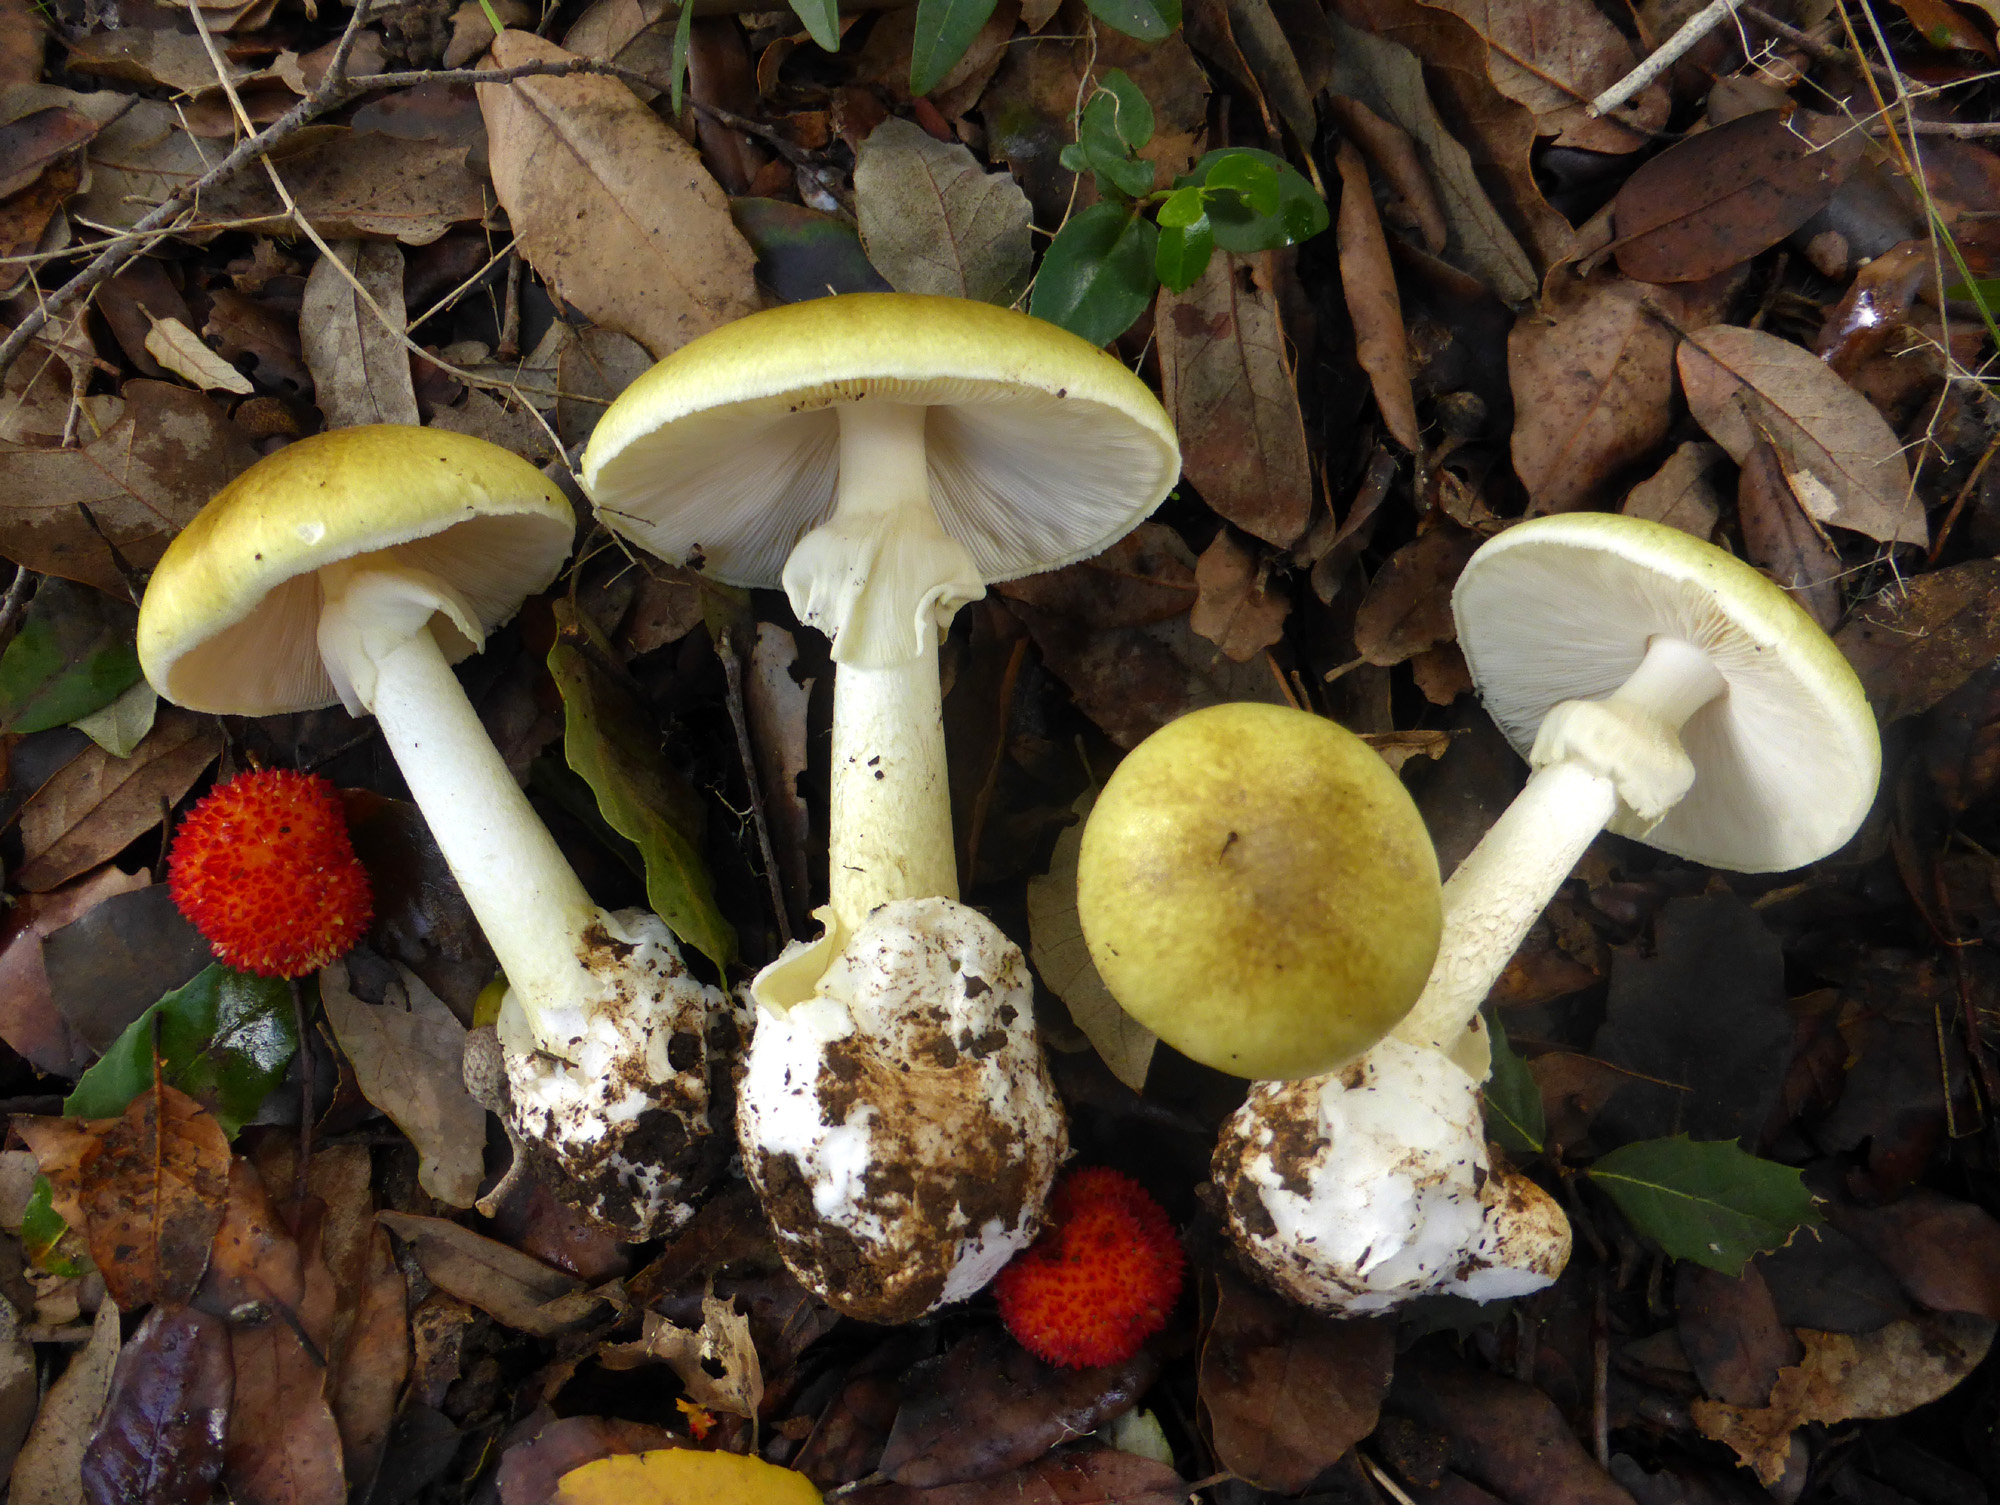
(1741, 382)
(181, 351)
(1680, 493)
(934, 221)
(152, 1196)
(1921, 639)
(1240, 608)
(408, 1056)
(611, 206)
(1890, 1371)
(160, 1437)
(1408, 605)
(1226, 378)
(507, 1285)
(1553, 56)
(1061, 955)
(360, 367)
(716, 1363)
(1368, 282)
(49, 1470)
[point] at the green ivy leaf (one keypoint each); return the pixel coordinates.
(1132, 112)
(1183, 252)
(1713, 1203)
(1103, 150)
(225, 1038)
(42, 1232)
(945, 28)
(1252, 178)
(1182, 208)
(1097, 276)
(822, 20)
(1300, 213)
(1513, 1101)
(1148, 20)
(73, 655)
(609, 738)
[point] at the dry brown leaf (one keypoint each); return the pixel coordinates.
(611, 206)
(144, 479)
(1593, 379)
(50, 1468)
(180, 350)
(1895, 1369)
(136, 161)
(175, 60)
(716, 1363)
(409, 1062)
(371, 1361)
(1273, 64)
(1226, 378)
(1392, 156)
(359, 364)
(1238, 609)
(933, 220)
(351, 183)
(1284, 1392)
(29, 1021)
(98, 804)
(1408, 605)
(510, 1287)
(1782, 540)
(1840, 454)
(1074, 1476)
(1061, 955)
(1368, 282)
(1681, 493)
(1915, 643)
(591, 369)
(1554, 56)
(152, 1194)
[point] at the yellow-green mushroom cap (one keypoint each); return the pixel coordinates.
(230, 619)
(1041, 448)
(1257, 888)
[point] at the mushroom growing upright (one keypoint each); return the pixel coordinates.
(884, 457)
(354, 568)
(1660, 688)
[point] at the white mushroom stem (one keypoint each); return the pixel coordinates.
(375, 638)
(1590, 757)
(889, 826)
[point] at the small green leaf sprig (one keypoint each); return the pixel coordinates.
(1101, 271)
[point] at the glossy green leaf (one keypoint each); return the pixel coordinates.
(677, 60)
(1299, 213)
(1513, 1101)
(1254, 179)
(945, 28)
(43, 1231)
(1132, 112)
(73, 655)
(1712, 1202)
(610, 738)
(822, 23)
(225, 1038)
(1104, 151)
(1182, 208)
(1148, 20)
(1183, 252)
(1097, 276)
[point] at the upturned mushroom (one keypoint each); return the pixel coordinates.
(1659, 688)
(355, 568)
(884, 457)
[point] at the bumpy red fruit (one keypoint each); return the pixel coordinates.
(263, 868)
(1101, 1278)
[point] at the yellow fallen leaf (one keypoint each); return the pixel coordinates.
(684, 1476)
(181, 351)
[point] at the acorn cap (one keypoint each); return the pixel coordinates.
(1041, 448)
(1257, 888)
(1786, 760)
(230, 619)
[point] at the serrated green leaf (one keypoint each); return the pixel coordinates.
(945, 28)
(1513, 1101)
(1300, 212)
(73, 655)
(822, 23)
(1148, 20)
(1133, 112)
(609, 739)
(1713, 1203)
(1097, 275)
(225, 1038)
(1183, 252)
(42, 1233)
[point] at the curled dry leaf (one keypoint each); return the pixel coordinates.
(159, 1439)
(717, 1363)
(1226, 378)
(360, 367)
(409, 1062)
(1368, 282)
(49, 1470)
(611, 206)
(152, 1193)
(1894, 1369)
(1780, 537)
(1843, 459)
(1284, 1393)
(98, 804)
(934, 221)
(1060, 953)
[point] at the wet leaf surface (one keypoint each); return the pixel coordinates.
(152, 1195)
(160, 1436)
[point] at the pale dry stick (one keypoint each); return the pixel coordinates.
(1826, 52)
(1669, 52)
(1379, 1476)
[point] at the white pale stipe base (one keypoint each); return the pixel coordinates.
(889, 828)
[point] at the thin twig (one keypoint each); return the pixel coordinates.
(1669, 52)
(1807, 43)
